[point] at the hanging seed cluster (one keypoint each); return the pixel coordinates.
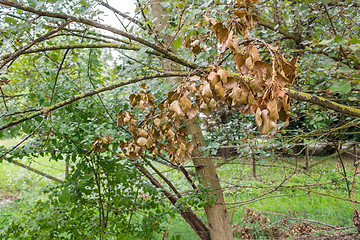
(256, 87)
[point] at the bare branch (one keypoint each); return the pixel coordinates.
(140, 24)
(347, 110)
(17, 53)
(75, 98)
(169, 55)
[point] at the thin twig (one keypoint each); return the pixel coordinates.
(57, 76)
(17, 53)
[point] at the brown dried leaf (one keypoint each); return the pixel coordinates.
(196, 50)
(240, 64)
(239, 13)
(244, 96)
(170, 133)
(258, 118)
(206, 91)
(254, 54)
(157, 122)
(185, 103)
(143, 133)
(265, 129)
(231, 83)
(189, 147)
(235, 95)
(223, 74)
(141, 141)
(286, 103)
(192, 88)
(212, 21)
(236, 45)
(249, 63)
(221, 32)
(262, 70)
(256, 85)
(213, 78)
(192, 112)
(132, 99)
(175, 106)
(219, 90)
(251, 99)
(273, 109)
(149, 142)
(212, 104)
(283, 115)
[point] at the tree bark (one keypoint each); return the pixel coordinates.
(217, 215)
(188, 214)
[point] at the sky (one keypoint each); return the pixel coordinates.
(121, 5)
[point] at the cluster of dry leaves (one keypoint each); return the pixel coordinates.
(253, 223)
(256, 87)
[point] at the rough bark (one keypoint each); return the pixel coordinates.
(217, 215)
(188, 214)
(347, 110)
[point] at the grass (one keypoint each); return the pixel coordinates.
(14, 179)
(298, 202)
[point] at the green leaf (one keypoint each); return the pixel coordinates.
(344, 87)
(345, 69)
(340, 40)
(325, 42)
(354, 40)
(177, 43)
(10, 20)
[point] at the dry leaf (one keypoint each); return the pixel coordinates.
(175, 106)
(223, 74)
(258, 118)
(273, 109)
(143, 133)
(206, 91)
(141, 141)
(254, 54)
(185, 103)
(192, 112)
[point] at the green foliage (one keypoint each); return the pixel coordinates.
(130, 208)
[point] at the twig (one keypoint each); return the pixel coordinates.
(57, 76)
(22, 141)
(140, 24)
(20, 51)
(36, 171)
(3, 97)
(301, 219)
(167, 54)
(75, 98)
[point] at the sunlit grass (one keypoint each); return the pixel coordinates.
(15, 179)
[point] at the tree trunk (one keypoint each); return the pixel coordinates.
(216, 213)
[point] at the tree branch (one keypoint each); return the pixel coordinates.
(36, 171)
(90, 45)
(108, 6)
(347, 110)
(284, 31)
(75, 98)
(17, 53)
(39, 12)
